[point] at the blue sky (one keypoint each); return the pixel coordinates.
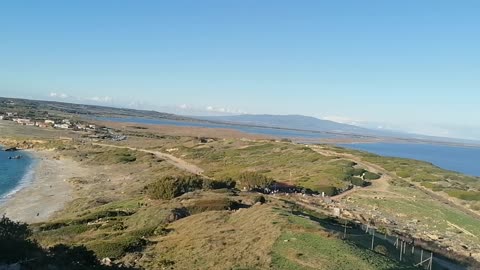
(409, 65)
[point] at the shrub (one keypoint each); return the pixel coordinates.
(254, 181)
(371, 176)
(328, 190)
(170, 187)
(15, 246)
(126, 159)
(381, 250)
(119, 246)
(259, 199)
(214, 184)
(358, 182)
(358, 172)
(211, 205)
(14, 241)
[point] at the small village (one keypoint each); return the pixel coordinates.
(93, 131)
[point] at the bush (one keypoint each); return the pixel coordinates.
(371, 176)
(214, 184)
(254, 181)
(259, 199)
(212, 205)
(359, 182)
(381, 250)
(16, 247)
(119, 246)
(126, 159)
(14, 241)
(328, 190)
(358, 172)
(170, 187)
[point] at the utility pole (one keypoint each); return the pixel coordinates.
(431, 261)
(345, 230)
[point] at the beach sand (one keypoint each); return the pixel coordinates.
(48, 192)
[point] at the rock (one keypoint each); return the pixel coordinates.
(11, 149)
(106, 262)
(177, 213)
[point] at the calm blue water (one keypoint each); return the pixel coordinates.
(281, 133)
(14, 173)
(460, 159)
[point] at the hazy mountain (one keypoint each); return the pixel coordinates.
(292, 122)
(302, 122)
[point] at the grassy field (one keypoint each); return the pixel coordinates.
(113, 215)
(284, 162)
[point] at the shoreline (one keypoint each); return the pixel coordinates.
(26, 179)
(46, 192)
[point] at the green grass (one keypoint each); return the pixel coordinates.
(464, 195)
(305, 245)
(284, 162)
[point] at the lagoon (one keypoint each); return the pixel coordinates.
(465, 160)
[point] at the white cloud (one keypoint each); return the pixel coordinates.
(58, 95)
(105, 99)
(224, 110)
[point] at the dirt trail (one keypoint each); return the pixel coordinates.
(382, 185)
(377, 185)
(177, 162)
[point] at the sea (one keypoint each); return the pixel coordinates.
(14, 173)
(465, 160)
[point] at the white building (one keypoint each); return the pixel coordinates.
(62, 126)
(49, 122)
(1, 117)
(22, 121)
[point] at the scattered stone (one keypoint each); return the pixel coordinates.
(106, 262)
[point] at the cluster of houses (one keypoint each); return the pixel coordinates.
(94, 132)
(62, 124)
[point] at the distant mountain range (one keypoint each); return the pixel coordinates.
(301, 122)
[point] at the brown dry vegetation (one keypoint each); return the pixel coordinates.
(113, 216)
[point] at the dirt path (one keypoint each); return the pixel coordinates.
(377, 185)
(177, 162)
(382, 185)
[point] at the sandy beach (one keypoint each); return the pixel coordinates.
(47, 193)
